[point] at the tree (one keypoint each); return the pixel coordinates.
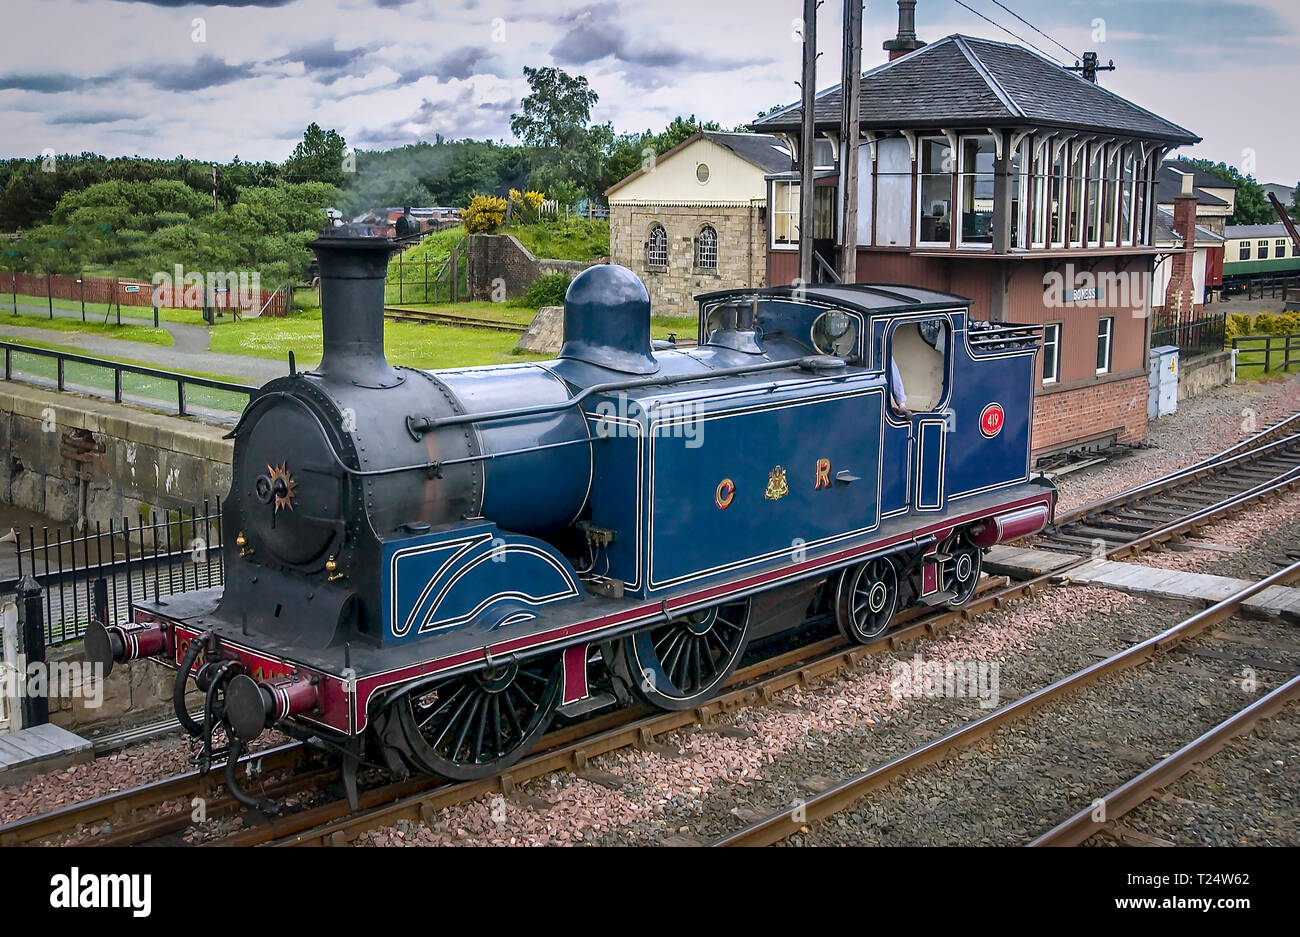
(1252, 204)
(558, 105)
(318, 158)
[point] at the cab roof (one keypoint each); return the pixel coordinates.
(870, 298)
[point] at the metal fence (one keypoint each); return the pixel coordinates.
(221, 397)
(1193, 334)
(179, 553)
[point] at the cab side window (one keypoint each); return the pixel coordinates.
(919, 351)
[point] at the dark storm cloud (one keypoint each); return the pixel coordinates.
(204, 72)
(460, 63)
(325, 61)
(457, 117)
(48, 84)
(214, 3)
(595, 32)
(74, 118)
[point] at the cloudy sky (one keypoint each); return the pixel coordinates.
(244, 77)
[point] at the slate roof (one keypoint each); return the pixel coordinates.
(767, 152)
(962, 81)
(1165, 229)
(1169, 185)
(763, 150)
(1276, 230)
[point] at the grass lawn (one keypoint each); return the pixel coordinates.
(405, 343)
(94, 324)
(1250, 358)
(682, 326)
(573, 239)
(91, 379)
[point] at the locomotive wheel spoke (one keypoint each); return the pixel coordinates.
(866, 599)
(676, 665)
(480, 723)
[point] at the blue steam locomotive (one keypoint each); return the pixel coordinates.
(423, 568)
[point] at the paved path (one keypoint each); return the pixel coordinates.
(189, 353)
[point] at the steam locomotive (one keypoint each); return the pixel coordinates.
(423, 567)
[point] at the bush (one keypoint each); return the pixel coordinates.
(485, 214)
(1264, 323)
(547, 291)
(1239, 323)
(1287, 323)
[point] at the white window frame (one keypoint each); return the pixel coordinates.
(956, 212)
(1245, 251)
(781, 187)
(700, 247)
(921, 175)
(1279, 247)
(650, 250)
(1053, 329)
(1109, 333)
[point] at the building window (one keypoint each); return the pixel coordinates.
(976, 191)
(1261, 248)
(1111, 203)
(936, 192)
(1279, 247)
(1056, 194)
(1095, 172)
(1128, 181)
(656, 248)
(1244, 249)
(1052, 353)
(1039, 186)
(1078, 184)
(1105, 340)
(823, 154)
(785, 214)
(702, 173)
(706, 249)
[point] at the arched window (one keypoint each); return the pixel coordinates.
(706, 249)
(656, 247)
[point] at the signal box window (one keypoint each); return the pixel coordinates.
(1052, 353)
(1105, 342)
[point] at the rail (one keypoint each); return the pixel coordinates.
(1251, 345)
(179, 553)
(1193, 335)
(119, 369)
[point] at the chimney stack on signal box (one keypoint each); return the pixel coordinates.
(1180, 295)
(906, 40)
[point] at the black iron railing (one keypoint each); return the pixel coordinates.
(153, 558)
(1193, 334)
(220, 397)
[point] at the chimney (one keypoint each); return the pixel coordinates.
(353, 264)
(1180, 295)
(906, 40)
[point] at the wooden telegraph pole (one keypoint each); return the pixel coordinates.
(849, 130)
(806, 138)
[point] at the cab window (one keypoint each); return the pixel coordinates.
(919, 350)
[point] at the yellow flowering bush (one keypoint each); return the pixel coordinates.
(485, 214)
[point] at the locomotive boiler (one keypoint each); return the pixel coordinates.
(421, 568)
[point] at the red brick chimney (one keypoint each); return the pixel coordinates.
(1180, 295)
(906, 40)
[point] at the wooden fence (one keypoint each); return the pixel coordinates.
(1257, 350)
(119, 292)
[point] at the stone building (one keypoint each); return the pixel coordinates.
(694, 219)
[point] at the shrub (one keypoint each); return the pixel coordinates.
(1264, 323)
(546, 291)
(1287, 323)
(485, 214)
(1239, 323)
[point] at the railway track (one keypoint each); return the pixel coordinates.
(781, 825)
(571, 747)
(425, 317)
